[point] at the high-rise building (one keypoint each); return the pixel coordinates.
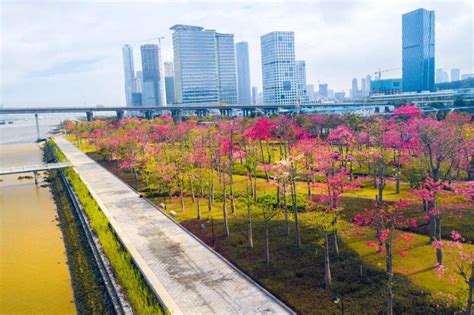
(441, 76)
(362, 87)
(128, 73)
(204, 66)
(455, 74)
(302, 95)
(226, 68)
(368, 79)
(386, 86)
(254, 95)
(418, 50)
(278, 68)
(243, 72)
(323, 90)
(169, 82)
(152, 85)
(310, 91)
(355, 88)
(340, 96)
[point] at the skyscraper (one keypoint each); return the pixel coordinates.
(441, 76)
(310, 92)
(128, 73)
(362, 87)
(254, 94)
(355, 89)
(418, 50)
(152, 85)
(455, 74)
(243, 72)
(227, 73)
(302, 95)
(278, 68)
(368, 80)
(204, 66)
(169, 82)
(323, 90)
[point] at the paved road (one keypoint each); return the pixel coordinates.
(188, 277)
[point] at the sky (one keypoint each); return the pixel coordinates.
(65, 53)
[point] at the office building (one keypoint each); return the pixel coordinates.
(278, 68)
(204, 66)
(254, 94)
(169, 82)
(467, 76)
(339, 96)
(243, 72)
(302, 95)
(152, 84)
(323, 90)
(386, 86)
(418, 50)
(362, 87)
(355, 88)
(310, 92)
(128, 73)
(455, 74)
(368, 79)
(441, 76)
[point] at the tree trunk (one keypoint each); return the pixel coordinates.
(285, 207)
(469, 296)
(263, 160)
(439, 249)
(267, 244)
(397, 185)
(336, 245)
(327, 266)
(231, 192)
(250, 229)
(224, 208)
(198, 208)
(389, 266)
(295, 213)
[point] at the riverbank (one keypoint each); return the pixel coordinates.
(34, 277)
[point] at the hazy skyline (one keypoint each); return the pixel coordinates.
(70, 53)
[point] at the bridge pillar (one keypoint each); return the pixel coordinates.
(89, 116)
(149, 114)
(120, 114)
(35, 175)
(176, 114)
(225, 112)
(38, 136)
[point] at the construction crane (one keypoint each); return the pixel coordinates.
(379, 73)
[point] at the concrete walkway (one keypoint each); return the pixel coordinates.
(187, 276)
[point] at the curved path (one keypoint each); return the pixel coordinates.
(187, 276)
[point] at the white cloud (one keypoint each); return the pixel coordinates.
(339, 40)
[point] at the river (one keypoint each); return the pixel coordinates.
(34, 276)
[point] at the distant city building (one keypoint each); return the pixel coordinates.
(467, 76)
(169, 69)
(204, 66)
(169, 82)
(441, 76)
(152, 84)
(128, 73)
(138, 82)
(363, 91)
(310, 92)
(418, 50)
(331, 94)
(323, 90)
(386, 86)
(302, 95)
(368, 79)
(226, 68)
(254, 94)
(278, 68)
(137, 99)
(340, 96)
(243, 72)
(455, 74)
(355, 88)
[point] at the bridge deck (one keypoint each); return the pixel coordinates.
(32, 168)
(189, 277)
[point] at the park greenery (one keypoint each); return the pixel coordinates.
(357, 213)
(140, 296)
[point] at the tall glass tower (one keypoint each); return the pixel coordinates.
(302, 95)
(226, 68)
(418, 55)
(152, 83)
(204, 66)
(128, 73)
(243, 72)
(278, 68)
